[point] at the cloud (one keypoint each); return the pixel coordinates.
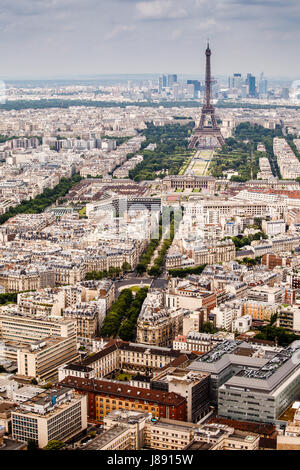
(160, 10)
(35, 7)
(266, 3)
(176, 34)
(41, 35)
(118, 30)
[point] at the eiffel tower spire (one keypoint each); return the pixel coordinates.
(207, 136)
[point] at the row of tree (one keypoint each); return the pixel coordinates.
(183, 272)
(66, 103)
(121, 319)
(110, 273)
(8, 297)
(149, 252)
(43, 200)
(156, 269)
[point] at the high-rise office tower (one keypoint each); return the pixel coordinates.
(197, 86)
(235, 81)
(172, 78)
(191, 90)
(162, 82)
(262, 85)
(251, 82)
(244, 91)
(176, 91)
(285, 94)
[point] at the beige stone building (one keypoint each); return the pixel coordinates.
(22, 328)
(42, 359)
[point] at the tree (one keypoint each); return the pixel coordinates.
(154, 271)
(208, 327)
(273, 318)
(141, 268)
(126, 267)
(55, 445)
(32, 445)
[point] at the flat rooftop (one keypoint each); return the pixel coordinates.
(226, 347)
(99, 442)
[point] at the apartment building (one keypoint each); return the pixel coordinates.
(267, 294)
(24, 279)
(41, 303)
(273, 227)
(42, 358)
(259, 310)
(189, 295)
(89, 318)
(289, 318)
(223, 437)
(26, 329)
(52, 415)
(159, 328)
(157, 324)
(200, 342)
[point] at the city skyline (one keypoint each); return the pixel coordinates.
(69, 38)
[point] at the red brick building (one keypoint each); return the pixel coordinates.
(105, 396)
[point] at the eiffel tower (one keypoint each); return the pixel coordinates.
(207, 136)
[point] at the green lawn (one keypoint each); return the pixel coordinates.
(134, 288)
(82, 212)
(123, 377)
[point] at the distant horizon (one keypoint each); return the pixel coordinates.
(132, 76)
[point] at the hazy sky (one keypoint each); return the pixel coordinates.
(80, 37)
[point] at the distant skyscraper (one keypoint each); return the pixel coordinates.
(197, 86)
(244, 91)
(191, 90)
(162, 83)
(262, 85)
(285, 94)
(171, 80)
(235, 81)
(176, 91)
(251, 82)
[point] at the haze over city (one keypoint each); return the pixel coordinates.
(74, 38)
